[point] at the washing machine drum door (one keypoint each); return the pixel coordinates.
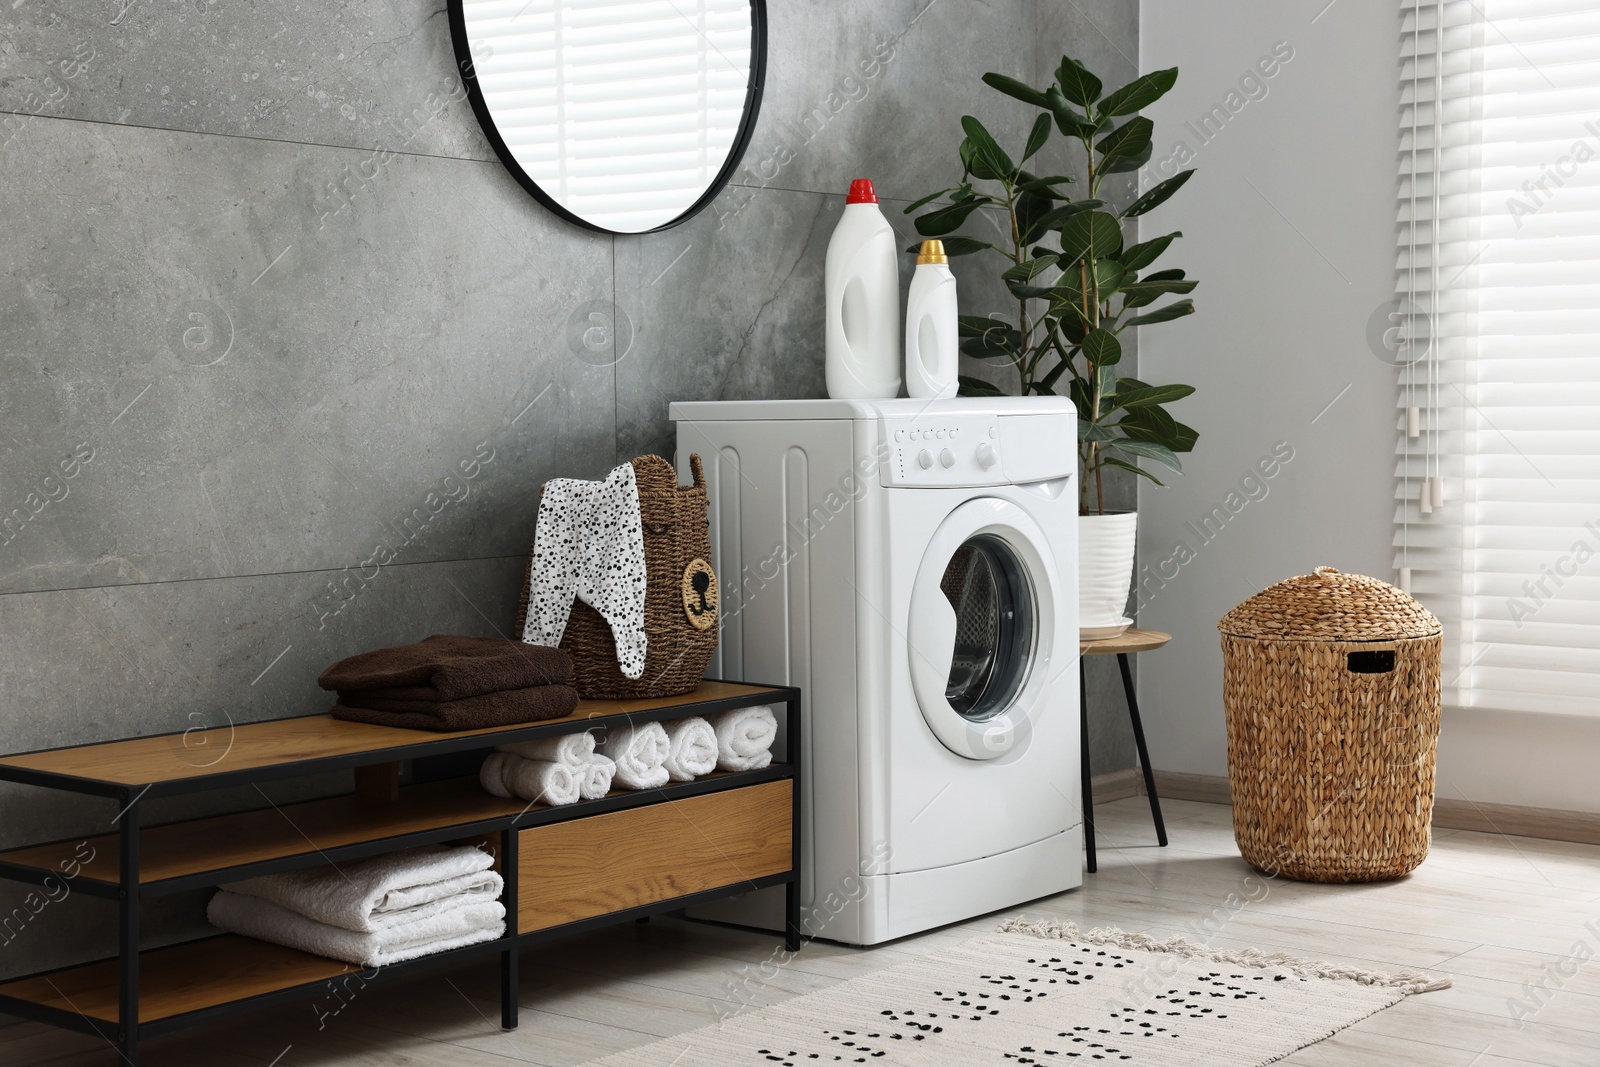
(981, 628)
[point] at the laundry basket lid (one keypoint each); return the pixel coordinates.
(1329, 606)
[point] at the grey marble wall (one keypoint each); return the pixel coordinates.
(274, 314)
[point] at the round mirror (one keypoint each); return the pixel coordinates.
(624, 116)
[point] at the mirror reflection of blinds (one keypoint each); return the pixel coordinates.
(1499, 275)
(623, 111)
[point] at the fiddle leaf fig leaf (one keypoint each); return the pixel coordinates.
(1077, 84)
(1139, 93)
(1012, 87)
(1037, 137)
(1102, 348)
(1127, 140)
(1166, 313)
(986, 151)
(1138, 257)
(1090, 233)
(1156, 195)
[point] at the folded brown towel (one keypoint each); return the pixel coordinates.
(447, 668)
(473, 713)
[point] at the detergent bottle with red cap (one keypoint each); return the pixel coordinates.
(862, 290)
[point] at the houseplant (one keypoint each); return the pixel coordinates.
(1079, 288)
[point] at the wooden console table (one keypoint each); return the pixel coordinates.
(566, 869)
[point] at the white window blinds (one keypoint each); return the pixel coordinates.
(1497, 525)
(622, 111)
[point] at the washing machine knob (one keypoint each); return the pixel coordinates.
(986, 455)
(947, 458)
(924, 459)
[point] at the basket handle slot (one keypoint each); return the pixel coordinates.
(1370, 661)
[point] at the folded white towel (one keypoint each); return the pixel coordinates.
(467, 924)
(691, 749)
(744, 738)
(382, 892)
(572, 749)
(640, 753)
(540, 780)
(594, 780)
(492, 775)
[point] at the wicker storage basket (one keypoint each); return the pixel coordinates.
(680, 602)
(1331, 684)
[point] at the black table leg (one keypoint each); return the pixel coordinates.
(1144, 753)
(509, 976)
(128, 930)
(1088, 791)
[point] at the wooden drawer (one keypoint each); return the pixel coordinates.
(623, 859)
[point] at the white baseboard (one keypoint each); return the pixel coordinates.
(1582, 827)
(1117, 785)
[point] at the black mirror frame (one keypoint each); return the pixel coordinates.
(747, 124)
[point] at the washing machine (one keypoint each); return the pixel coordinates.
(911, 565)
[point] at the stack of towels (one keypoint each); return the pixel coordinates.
(453, 683)
(573, 767)
(371, 912)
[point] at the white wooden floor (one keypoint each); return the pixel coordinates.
(1491, 912)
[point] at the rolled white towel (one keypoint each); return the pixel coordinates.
(467, 924)
(744, 738)
(594, 781)
(691, 749)
(540, 780)
(640, 753)
(492, 775)
(572, 749)
(382, 892)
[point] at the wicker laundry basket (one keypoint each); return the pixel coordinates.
(1331, 684)
(680, 601)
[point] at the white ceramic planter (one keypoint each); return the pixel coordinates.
(1105, 566)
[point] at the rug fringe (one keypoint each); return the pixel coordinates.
(1408, 982)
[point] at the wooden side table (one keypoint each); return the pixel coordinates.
(1130, 641)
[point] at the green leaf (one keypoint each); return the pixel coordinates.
(1149, 423)
(1088, 431)
(970, 386)
(1028, 269)
(1139, 93)
(1069, 121)
(986, 150)
(1077, 84)
(1012, 87)
(1175, 310)
(1102, 348)
(1036, 139)
(1053, 219)
(1156, 195)
(1173, 275)
(1054, 375)
(1113, 461)
(1148, 450)
(1106, 378)
(947, 219)
(963, 246)
(1039, 388)
(1127, 140)
(1148, 290)
(1124, 164)
(1185, 438)
(1087, 233)
(930, 198)
(1030, 211)
(1108, 275)
(1043, 186)
(1150, 394)
(1138, 257)
(1030, 292)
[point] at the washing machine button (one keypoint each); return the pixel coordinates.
(924, 459)
(947, 458)
(986, 455)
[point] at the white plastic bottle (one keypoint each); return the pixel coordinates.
(862, 289)
(932, 355)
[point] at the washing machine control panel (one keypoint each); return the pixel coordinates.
(942, 450)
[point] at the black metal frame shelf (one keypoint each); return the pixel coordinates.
(129, 890)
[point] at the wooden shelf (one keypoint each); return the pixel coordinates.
(253, 750)
(313, 829)
(180, 979)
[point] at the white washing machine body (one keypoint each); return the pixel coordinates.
(911, 565)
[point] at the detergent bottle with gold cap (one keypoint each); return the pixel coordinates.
(861, 283)
(932, 352)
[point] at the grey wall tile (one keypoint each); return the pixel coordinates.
(358, 74)
(299, 383)
(878, 90)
